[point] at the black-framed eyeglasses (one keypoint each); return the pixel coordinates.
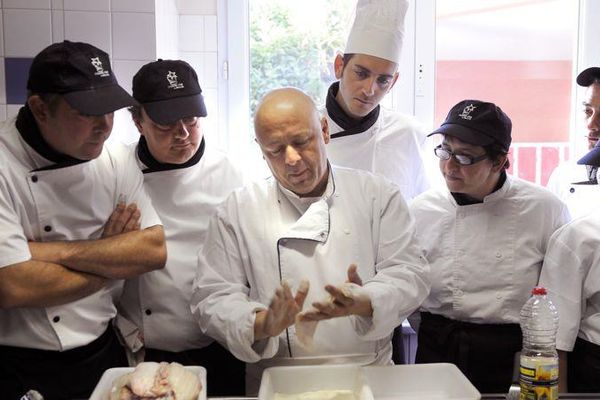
(462, 159)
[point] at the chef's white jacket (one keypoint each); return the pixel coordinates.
(60, 204)
(485, 258)
(393, 147)
(263, 234)
(581, 199)
(571, 273)
(158, 302)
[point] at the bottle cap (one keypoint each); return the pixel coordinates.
(539, 290)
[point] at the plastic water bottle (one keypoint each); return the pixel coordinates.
(539, 360)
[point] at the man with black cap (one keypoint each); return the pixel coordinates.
(485, 236)
(575, 184)
(365, 135)
(67, 238)
(571, 273)
(185, 178)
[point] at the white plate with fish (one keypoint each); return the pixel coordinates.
(111, 377)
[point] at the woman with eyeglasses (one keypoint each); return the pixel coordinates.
(485, 237)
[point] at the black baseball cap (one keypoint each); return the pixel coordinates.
(592, 157)
(81, 73)
(587, 76)
(169, 91)
(477, 122)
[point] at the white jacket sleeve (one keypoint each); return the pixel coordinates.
(401, 282)
(563, 273)
(220, 299)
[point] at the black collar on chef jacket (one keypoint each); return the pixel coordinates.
(30, 132)
(465, 200)
(153, 165)
(350, 126)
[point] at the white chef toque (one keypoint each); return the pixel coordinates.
(378, 29)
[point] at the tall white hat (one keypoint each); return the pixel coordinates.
(378, 29)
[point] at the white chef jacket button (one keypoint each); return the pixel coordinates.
(498, 255)
(322, 234)
(148, 311)
(572, 190)
(34, 178)
(56, 319)
(47, 228)
(498, 296)
(347, 231)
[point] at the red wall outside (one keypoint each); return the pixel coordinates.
(534, 94)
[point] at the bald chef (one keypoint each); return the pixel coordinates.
(313, 243)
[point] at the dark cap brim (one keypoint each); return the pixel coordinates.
(591, 158)
(465, 134)
(100, 101)
(587, 76)
(167, 111)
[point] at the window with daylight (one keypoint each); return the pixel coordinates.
(518, 54)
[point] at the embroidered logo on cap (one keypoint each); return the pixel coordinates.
(466, 111)
(172, 78)
(100, 71)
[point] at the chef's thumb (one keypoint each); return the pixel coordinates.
(353, 276)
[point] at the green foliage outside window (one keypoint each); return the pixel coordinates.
(294, 43)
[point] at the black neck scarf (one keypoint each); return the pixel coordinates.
(154, 165)
(465, 200)
(350, 126)
(30, 132)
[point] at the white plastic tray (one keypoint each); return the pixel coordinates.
(420, 381)
(397, 382)
(103, 387)
(301, 379)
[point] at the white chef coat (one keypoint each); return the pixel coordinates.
(581, 199)
(485, 258)
(260, 236)
(60, 204)
(158, 302)
(393, 147)
(571, 273)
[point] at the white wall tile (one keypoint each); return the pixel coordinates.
(210, 33)
(26, 32)
(125, 70)
(196, 60)
(2, 82)
(87, 5)
(2, 112)
(58, 4)
(58, 25)
(12, 110)
(204, 7)
(132, 6)
(89, 26)
(191, 33)
(134, 36)
(1, 34)
(211, 77)
(27, 4)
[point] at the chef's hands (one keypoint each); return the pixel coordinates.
(346, 299)
(281, 312)
(124, 218)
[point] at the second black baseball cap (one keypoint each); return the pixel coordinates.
(169, 91)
